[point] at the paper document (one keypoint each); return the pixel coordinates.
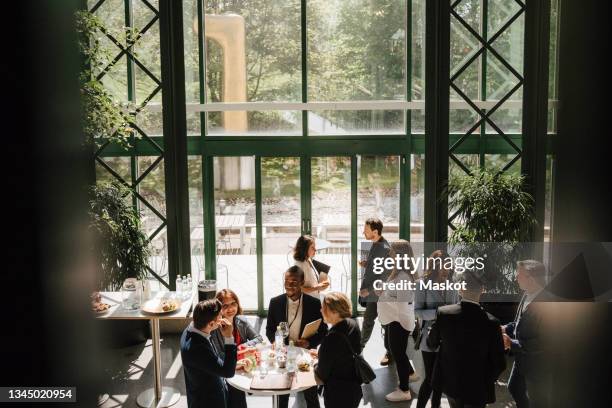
(310, 329)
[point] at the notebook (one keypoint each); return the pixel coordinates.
(271, 382)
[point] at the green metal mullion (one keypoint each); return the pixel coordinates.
(175, 138)
(306, 193)
(259, 236)
(202, 66)
(354, 233)
(535, 108)
(437, 89)
(483, 81)
(304, 44)
(208, 190)
(405, 179)
(131, 91)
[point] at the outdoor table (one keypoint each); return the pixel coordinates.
(157, 396)
(224, 222)
(242, 381)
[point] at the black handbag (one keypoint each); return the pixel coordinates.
(364, 371)
(417, 335)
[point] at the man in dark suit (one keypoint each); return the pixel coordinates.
(372, 231)
(205, 371)
(297, 310)
(523, 337)
(471, 353)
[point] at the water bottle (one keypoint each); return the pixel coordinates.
(279, 339)
(189, 287)
(186, 288)
(179, 286)
(291, 357)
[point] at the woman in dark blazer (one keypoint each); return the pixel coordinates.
(243, 333)
(336, 367)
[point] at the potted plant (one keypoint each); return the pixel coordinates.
(494, 217)
(121, 248)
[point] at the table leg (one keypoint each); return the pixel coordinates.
(242, 239)
(275, 401)
(160, 397)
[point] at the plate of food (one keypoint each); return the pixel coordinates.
(161, 306)
(100, 308)
(97, 306)
(303, 363)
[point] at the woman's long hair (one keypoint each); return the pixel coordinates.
(402, 247)
(432, 273)
(300, 251)
(223, 293)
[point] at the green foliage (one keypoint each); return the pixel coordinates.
(122, 249)
(103, 118)
(492, 208)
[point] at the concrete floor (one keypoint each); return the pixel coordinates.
(130, 371)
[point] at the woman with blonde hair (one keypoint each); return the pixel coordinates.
(336, 366)
(396, 313)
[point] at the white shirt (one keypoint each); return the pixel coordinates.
(294, 310)
(191, 328)
(311, 276)
(397, 305)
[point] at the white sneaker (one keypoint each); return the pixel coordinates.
(398, 395)
(414, 377)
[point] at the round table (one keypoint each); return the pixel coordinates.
(242, 381)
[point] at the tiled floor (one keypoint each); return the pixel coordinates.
(130, 371)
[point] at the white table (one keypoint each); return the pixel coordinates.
(224, 222)
(157, 396)
(242, 381)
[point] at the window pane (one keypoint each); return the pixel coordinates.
(234, 213)
(378, 192)
(196, 216)
(331, 217)
(280, 190)
(255, 123)
(355, 122)
(417, 197)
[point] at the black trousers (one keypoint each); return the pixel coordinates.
(397, 337)
(310, 395)
(426, 390)
(457, 403)
(527, 391)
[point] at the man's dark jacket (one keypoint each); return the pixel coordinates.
(205, 371)
(471, 355)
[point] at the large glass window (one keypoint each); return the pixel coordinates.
(281, 219)
(313, 123)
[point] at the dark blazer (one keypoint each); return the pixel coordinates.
(311, 311)
(246, 331)
(336, 367)
(380, 249)
(527, 341)
(205, 371)
(471, 355)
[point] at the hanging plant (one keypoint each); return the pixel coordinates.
(122, 249)
(104, 119)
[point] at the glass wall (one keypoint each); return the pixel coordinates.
(310, 115)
